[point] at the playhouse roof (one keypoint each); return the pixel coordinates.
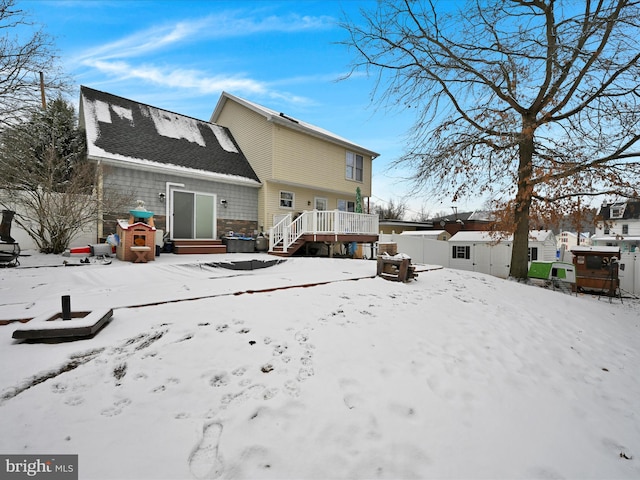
(595, 249)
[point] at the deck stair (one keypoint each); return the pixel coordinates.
(293, 248)
(186, 247)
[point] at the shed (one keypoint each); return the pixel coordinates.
(597, 268)
(480, 252)
(543, 245)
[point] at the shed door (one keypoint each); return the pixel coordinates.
(193, 215)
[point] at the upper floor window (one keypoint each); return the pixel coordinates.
(286, 199)
(355, 167)
(617, 211)
(625, 229)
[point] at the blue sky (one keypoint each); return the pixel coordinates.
(180, 55)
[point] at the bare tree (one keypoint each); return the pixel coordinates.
(392, 210)
(532, 102)
(25, 52)
(46, 177)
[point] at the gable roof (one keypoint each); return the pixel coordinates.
(129, 132)
(289, 122)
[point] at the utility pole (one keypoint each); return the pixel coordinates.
(44, 100)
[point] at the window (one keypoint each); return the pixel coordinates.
(355, 166)
(532, 254)
(617, 211)
(346, 206)
(321, 203)
(286, 199)
(625, 229)
(461, 252)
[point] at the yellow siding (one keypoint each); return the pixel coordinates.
(282, 157)
(254, 135)
(307, 160)
(304, 199)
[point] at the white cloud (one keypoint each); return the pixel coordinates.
(191, 79)
(117, 58)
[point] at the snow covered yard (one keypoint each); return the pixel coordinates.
(207, 372)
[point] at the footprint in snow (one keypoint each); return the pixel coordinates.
(116, 408)
(204, 460)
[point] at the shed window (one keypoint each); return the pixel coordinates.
(532, 255)
(461, 251)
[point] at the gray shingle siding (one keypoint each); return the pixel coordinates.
(242, 202)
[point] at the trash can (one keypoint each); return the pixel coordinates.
(262, 244)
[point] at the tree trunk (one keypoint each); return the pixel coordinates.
(520, 251)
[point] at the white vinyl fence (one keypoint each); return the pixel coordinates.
(494, 260)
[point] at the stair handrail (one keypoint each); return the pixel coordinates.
(278, 232)
(286, 231)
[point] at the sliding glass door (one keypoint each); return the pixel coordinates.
(193, 215)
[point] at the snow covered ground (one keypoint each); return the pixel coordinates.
(315, 369)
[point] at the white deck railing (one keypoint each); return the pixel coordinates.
(321, 222)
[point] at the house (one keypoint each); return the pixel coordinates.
(619, 225)
(309, 176)
(542, 245)
(394, 225)
(250, 171)
(568, 240)
(441, 235)
(192, 174)
(478, 220)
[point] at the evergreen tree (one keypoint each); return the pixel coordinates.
(46, 177)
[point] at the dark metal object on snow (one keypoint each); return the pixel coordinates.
(9, 248)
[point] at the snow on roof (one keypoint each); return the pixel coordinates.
(595, 248)
(477, 236)
(424, 233)
(126, 132)
(540, 235)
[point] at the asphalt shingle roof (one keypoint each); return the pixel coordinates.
(123, 129)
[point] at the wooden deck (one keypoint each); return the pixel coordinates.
(321, 226)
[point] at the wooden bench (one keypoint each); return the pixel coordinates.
(141, 253)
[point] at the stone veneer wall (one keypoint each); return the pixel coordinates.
(247, 228)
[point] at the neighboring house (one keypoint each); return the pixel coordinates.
(477, 220)
(570, 239)
(192, 174)
(392, 225)
(619, 225)
(543, 245)
(304, 170)
(441, 235)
